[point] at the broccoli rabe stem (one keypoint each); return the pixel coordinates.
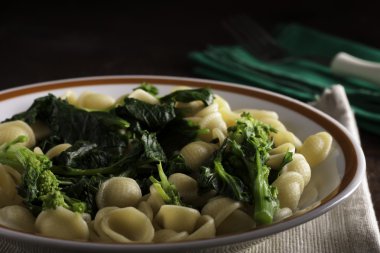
(265, 205)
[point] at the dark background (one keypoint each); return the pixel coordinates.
(47, 42)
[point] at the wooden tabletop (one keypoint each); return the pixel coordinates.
(42, 43)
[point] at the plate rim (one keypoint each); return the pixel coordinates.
(343, 191)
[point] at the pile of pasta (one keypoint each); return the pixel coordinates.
(127, 216)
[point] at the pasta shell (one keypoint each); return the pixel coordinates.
(207, 110)
(190, 108)
(168, 235)
(62, 223)
(144, 207)
(282, 137)
(259, 114)
(126, 225)
(71, 97)
(237, 222)
(144, 96)
(155, 200)
(300, 165)
(118, 191)
(213, 120)
(94, 101)
(177, 218)
(9, 179)
(196, 153)
(282, 213)
(12, 129)
(220, 208)
(290, 186)
(186, 186)
(18, 218)
(204, 229)
(275, 123)
(316, 148)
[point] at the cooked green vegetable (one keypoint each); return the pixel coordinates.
(69, 124)
(152, 117)
(238, 168)
(143, 155)
(167, 191)
(186, 96)
(142, 141)
(40, 188)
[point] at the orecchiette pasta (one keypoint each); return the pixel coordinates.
(196, 153)
(290, 186)
(282, 137)
(228, 116)
(177, 218)
(300, 165)
(71, 97)
(260, 114)
(282, 213)
(62, 223)
(204, 228)
(168, 235)
(12, 129)
(278, 154)
(275, 123)
(18, 218)
(220, 208)
(144, 96)
(124, 225)
(238, 221)
(187, 186)
(316, 148)
(144, 207)
(118, 191)
(9, 179)
(155, 200)
(94, 101)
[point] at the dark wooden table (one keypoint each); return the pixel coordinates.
(42, 43)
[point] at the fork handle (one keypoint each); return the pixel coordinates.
(347, 65)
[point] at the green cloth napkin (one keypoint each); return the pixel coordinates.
(298, 76)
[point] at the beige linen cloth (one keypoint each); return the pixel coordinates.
(350, 226)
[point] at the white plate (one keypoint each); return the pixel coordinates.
(335, 179)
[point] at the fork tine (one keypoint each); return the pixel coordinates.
(254, 38)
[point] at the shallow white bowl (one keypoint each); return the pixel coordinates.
(341, 173)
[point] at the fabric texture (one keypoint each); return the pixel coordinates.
(303, 74)
(349, 227)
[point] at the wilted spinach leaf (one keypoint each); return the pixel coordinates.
(84, 155)
(190, 95)
(151, 117)
(69, 124)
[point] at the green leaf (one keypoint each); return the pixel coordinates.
(152, 117)
(186, 96)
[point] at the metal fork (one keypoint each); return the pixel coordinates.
(254, 38)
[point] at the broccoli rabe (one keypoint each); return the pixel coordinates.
(238, 169)
(39, 188)
(167, 191)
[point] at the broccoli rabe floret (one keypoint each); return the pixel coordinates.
(40, 188)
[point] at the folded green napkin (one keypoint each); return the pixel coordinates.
(298, 76)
